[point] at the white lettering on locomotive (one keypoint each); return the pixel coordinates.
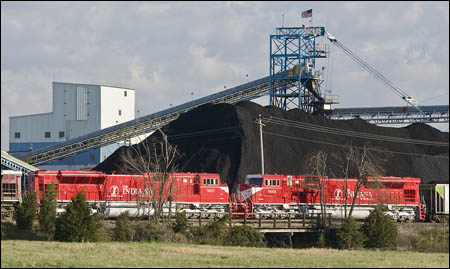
(338, 194)
(114, 191)
(363, 195)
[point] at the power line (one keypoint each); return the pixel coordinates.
(337, 131)
(340, 145)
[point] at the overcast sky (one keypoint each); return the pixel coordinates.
(166, 50)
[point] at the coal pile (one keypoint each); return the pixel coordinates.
(224, 139)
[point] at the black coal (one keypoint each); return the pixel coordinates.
(224, 139)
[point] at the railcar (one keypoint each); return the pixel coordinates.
(301, 194)
(436, 199)
(193, 193)
(11, 192)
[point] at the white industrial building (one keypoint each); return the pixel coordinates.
(78, 109)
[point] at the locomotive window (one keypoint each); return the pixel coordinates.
(210, 181)
(272, 182)
(410, 195)
(256, 181)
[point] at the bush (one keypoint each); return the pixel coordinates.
(321, 243)
(349, 236)
(212, 233)
(151, 231)
(244, 236)
(47, 212)
(181, 224)
(380, 230)
(77, 224)
(123, 230)
(25, 213)
(431, 240)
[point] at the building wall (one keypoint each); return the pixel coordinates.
(78, 109)
(117, 106)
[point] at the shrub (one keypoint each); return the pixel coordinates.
(431, 240)
(123, 230)
(103, 233)
(379, 229)
(47, 212)
(212, 233)
(244, 236)
(321, 243)
(25, 213)
(349, 236)
(77, 224)
(181, 224)
(151, 231)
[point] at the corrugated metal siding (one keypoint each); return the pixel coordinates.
(81, 103)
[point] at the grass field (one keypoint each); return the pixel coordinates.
(18, 253)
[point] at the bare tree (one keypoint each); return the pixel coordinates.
(318, 164)
(346, 170)
(365, 165)
(154, 159)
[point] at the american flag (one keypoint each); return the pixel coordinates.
(307, 13)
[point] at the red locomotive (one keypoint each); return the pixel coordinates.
(203, 193)
(300, 194)
(194, 193)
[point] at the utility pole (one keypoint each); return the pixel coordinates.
(259, 122)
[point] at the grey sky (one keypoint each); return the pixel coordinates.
(166, 50)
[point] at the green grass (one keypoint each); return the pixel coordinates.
(21, 253)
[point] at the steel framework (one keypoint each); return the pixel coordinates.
(295, 49)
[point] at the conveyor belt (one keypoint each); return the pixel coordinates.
(247, 91)
(145, 124)
(394, 115)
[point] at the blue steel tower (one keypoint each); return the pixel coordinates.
(294, 82)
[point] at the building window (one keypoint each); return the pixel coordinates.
(47, 134)
(17, 135)
(120, 112)
(9, 190)
(125, 93)
(61, 134)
